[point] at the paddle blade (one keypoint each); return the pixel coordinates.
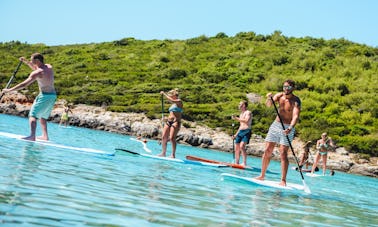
(128, 151)
(306, 188)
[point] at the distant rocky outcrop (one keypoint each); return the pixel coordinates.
(138, 124)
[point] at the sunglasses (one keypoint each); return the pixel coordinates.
(287, 87)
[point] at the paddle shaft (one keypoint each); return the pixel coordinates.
(233, 142)
(287, 137)
(162, 110)
(12, 78)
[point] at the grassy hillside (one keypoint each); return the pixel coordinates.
(336, 79)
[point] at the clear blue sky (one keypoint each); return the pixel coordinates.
(61, 22)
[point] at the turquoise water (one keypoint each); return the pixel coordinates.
(51, 186)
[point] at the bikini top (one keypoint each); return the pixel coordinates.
(325, 145)
(175, 108)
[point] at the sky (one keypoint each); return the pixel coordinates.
(64, 22)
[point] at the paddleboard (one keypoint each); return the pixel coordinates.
(264, 183)
(170, 159)
(304, 170)
(144, 145)
(314, 175)
(52, 144)
(232, 165)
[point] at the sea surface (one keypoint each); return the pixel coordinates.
(54, 185)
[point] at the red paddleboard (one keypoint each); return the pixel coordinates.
(233, 165)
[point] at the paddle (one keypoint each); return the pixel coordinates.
(306, 188)
(233, 143)
(162, 117)
(128, 151)
(162, 111)
(12, 78)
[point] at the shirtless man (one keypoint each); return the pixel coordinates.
(289, 109)
(244, 132)
(44, 102)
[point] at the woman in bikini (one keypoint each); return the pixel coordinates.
(173, 123)
(323, 145)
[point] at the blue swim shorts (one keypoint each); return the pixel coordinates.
(243, 135)
(43, 105)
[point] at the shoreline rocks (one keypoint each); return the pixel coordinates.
(138, 124)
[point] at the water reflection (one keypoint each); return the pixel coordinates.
(23, 161)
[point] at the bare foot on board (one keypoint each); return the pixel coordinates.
(30, 138)
(43, 138)
(259, 178)
(283, 183)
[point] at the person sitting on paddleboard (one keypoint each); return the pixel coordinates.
(323, 145)
(243, 135)
(173, 123)
(304, 160)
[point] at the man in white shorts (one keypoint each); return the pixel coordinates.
(289, 110)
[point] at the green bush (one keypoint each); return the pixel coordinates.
(361, 144)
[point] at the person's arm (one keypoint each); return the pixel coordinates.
(296, 112)
(332, 145)
(318, 144)
(245, 119)
(170, 98)
(276, 97)
(28, 63)
(32, 77)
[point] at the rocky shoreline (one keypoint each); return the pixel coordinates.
(138, 124)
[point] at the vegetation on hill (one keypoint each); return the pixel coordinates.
(336, 79)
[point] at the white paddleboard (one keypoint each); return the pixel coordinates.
(314, 175)
(303, 170)
(170, 159)
(264, 183)
(52, 144)
(144, 145)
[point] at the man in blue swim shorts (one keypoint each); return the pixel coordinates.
(244, 132)
(289, 109)
(44, 102)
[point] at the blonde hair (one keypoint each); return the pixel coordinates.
(173, 92)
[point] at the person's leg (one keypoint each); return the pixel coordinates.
(269, 147)
(237, 153)
(164, 140)
(324, 163)
(172, 136)
(33, 127)
(45, 135)
(316, 160)
(284, 163)
(243, 152)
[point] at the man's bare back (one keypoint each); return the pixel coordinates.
(45, 78)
